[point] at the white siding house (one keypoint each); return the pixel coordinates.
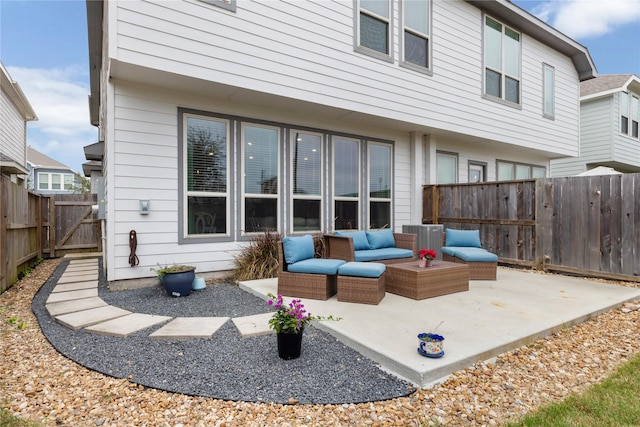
(231, 117)
(609, 120)
(15, 112)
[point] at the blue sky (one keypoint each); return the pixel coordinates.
(43, 44)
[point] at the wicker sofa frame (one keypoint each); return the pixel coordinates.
(303, 285)
(477, 270)
(341, 247)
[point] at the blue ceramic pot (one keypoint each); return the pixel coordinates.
(178, 284)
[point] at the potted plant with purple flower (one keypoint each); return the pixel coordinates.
(289, 322)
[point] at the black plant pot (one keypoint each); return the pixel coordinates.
(289, 345)
(178, 284)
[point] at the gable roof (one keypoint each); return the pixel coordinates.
(607, 84)
(13, 90)
(40, 160)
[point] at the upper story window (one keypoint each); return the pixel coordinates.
(225, 4)
(548, 87)
(629, 114)
(416, 18)
(374, 28)
(55, 181)
(508, 171)
(502, 61)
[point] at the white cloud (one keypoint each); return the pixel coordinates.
(60, 99)
(588, 18)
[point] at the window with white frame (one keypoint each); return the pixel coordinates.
(416, 18)
(306, 180)
(446, 168)
(374, 27)
(548, 79)
(629, 114)
(508, 171)
(260, 147)
(55, 181)
(207, 189)
(624, 113)
(380, 185)
(635, 116)
(502, 61)
(346, 183)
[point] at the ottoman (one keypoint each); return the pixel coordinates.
(361, 282)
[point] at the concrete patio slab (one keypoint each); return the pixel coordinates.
(82, 319)
(127, 325)
(72, 306)
(71, 295)
(190, 327)
(66, 287)
(78, 278)
(251, 326)
(493, 317)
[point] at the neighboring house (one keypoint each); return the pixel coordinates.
(313, 116)
(93, 168)
(609, 117)
(49, 176)
(15, 112)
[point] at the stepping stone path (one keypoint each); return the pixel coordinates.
(74, 303)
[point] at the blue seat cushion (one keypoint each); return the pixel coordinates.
(381, 239)
(360, 241)
(382, 254)
(316, 266)
(362, 269)
(470, 254)
(468, 238)
(297, 248)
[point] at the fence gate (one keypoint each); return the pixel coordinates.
(70, 225)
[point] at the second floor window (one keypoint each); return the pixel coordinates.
(55, 181)
(375, 25)
(548, 79)
(416, 19)
(629, 114)
(502, 61)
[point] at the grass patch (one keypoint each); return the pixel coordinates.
(614, 402)
(7, 419)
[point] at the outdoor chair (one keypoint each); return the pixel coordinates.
(464, 246)
(382, 246)
(300, 274)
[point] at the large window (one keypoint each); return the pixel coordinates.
(346, 183)
(446, 168)
(629, 114)
(240, 177)
(507, 171)
(306, 180)
(260, 176)
(548, 79)
(374, 21)
(380, 185)
(416, 27)
(502, 61)
(207, 189)
(55, 181)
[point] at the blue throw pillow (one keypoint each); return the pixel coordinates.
(360, 241)
(297, 248)
(381, 239)
(465, 238)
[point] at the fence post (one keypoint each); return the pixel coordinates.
(52, 227)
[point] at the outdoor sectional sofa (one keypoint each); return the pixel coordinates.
(464, 246)
(383, 246)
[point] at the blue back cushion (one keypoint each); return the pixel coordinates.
(468, 238)
(297, 248)
(381, 239)
(360, 241)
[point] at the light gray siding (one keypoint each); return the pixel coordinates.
(13, 131)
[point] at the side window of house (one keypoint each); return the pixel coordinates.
(224, 4)
(502, 61)
(416, 18)
(629, 114)
(507, 171)
(374, 28)
(624, 113)
(548, 78)
(446, 168)
(306, 182)
(635, 116)
(260, 146)
(380, 185)
(207, 192)
(43, 181)
(346, 183)
(68, 182)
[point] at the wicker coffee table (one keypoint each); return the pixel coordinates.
(441, 278)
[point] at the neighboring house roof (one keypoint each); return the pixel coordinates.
(13, 90)
(607, 84)
(39, 160)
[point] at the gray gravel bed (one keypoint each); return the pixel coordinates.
(226, 366)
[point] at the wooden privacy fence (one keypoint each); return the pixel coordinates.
(34, 226)
(581, 225)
